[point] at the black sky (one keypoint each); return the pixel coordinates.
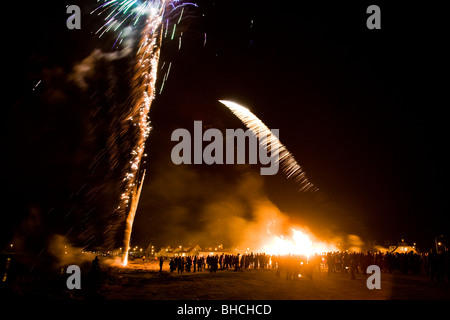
(360, 110)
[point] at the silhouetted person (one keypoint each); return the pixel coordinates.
(181, 265)
(432, 261)
(94, 277)
(161, 262)
(214, 263)
(447, 264)
(353, 266)
(188, 264)
(330, 264)
(201, 263)
(95, 268)
(440, 267)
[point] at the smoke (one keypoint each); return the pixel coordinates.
(182, 206)
(65, 253)
(354, 243)
(88, 69)
(102, 86)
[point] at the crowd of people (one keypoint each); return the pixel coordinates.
(437, 266)
(212, 263)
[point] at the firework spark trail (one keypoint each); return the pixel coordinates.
(135, 124)
(288, 163)
(130, 217)
(144, 92)
(136, 121)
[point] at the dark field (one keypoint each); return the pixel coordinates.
(145, 282)
(140, 281)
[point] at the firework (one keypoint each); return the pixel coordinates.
(119, 14)
(288, 163)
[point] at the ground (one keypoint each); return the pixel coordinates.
(144, 281)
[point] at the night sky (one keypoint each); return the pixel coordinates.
(359, 109)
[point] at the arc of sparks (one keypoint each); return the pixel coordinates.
(288, 164)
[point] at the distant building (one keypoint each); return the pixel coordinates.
(181, 251)
(193, 250)
(403, 247)
(214, 250)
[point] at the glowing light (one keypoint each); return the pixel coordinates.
(173, 31)
(299, 243)
(37, 84)
(287, 161)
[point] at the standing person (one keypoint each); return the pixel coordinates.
(172, 265)
(236, 262)
(208, 261)
(200, 264)
(353, 266)
(329, 262)
(94, 272)
(94, 277)
(447, 264)
(161, 261)
(221, 262)
(440, 264)
(278, 263)
(180, 264)
(195, 263)
(188, 264)
(213, 263)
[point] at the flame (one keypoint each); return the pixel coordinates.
(125, 260)
(299, 243)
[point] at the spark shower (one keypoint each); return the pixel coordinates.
(143, 88)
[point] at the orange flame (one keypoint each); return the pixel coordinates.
(300, 243)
